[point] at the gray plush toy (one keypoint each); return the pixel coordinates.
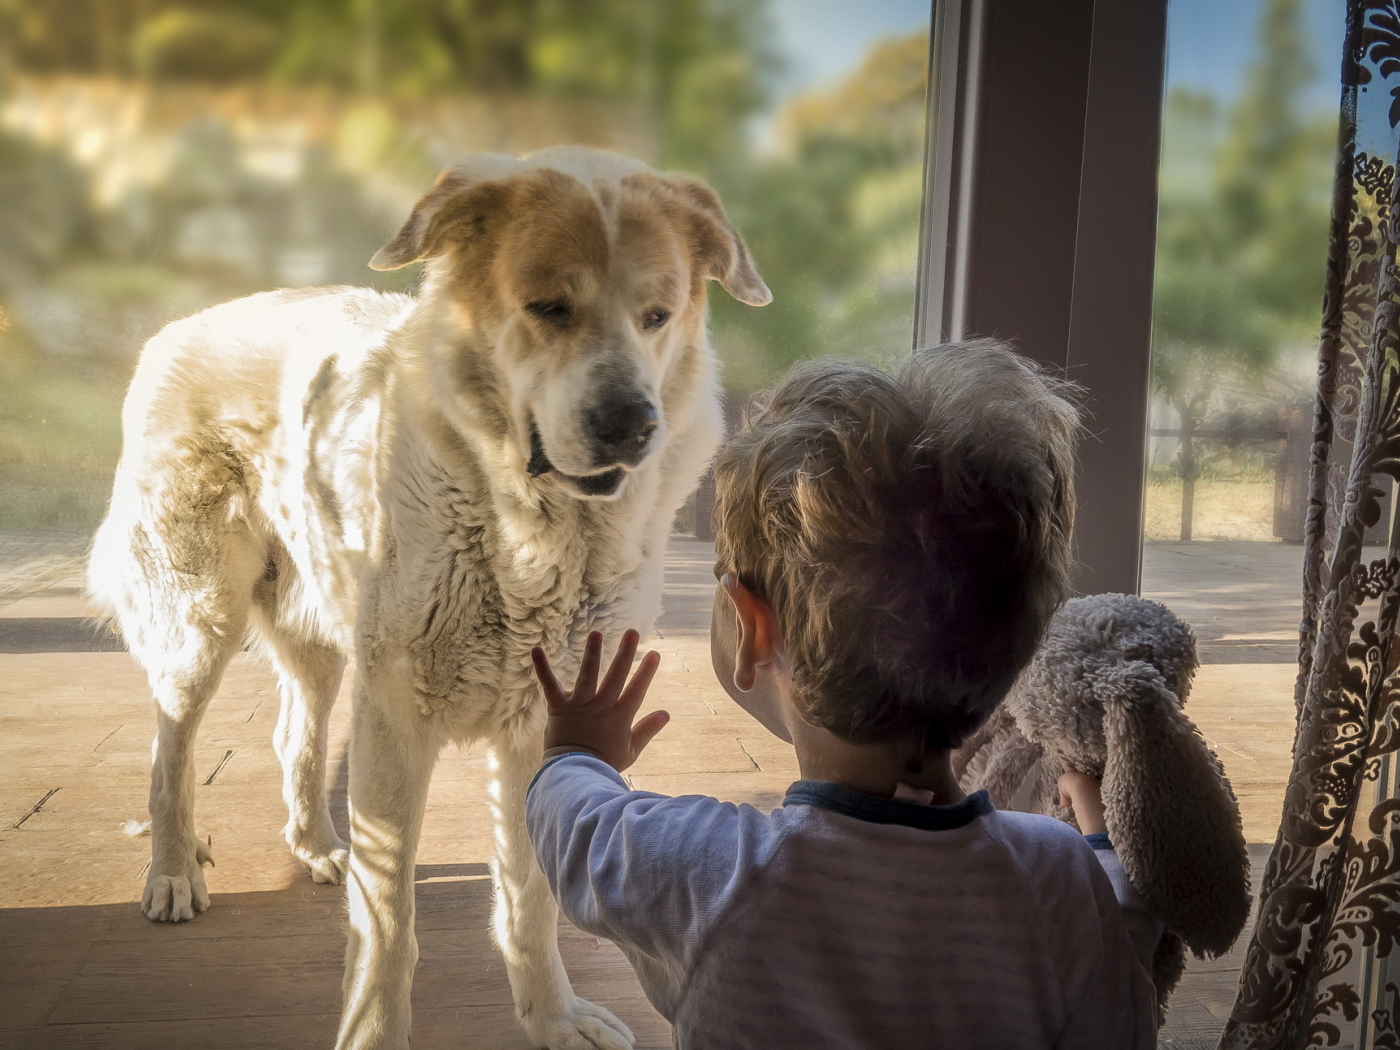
(1104, 696)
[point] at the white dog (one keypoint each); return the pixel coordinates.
(436, 485)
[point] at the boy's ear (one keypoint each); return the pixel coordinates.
(1170, 812)
(759, 644)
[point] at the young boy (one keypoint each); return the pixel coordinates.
(890, 549)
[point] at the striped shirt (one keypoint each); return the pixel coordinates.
(842, 920)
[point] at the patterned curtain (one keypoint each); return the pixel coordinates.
(1317, 971)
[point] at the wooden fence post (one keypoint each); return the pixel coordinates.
(1188, 476)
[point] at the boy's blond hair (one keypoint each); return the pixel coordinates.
(911, 531)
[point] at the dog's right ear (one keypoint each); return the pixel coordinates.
(460, 201)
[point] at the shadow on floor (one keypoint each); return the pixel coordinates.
(1201, 1003)
(57, 634)
(263, 970)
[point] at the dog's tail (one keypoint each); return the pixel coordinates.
(101, 580)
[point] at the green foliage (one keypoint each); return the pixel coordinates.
(44, 213)
(833, 221)
(90, 265)
(184, 44)
(1243, 227)
(699, 63)
(60, 436)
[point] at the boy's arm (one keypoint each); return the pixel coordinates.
(1117, 1004)
(647, 871)
(1082, 793)
(644, 870)
(1144, 928)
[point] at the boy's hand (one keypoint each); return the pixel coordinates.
(597, 717)
(1083, 794)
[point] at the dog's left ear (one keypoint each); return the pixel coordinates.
(720, 249)
(1170, 812)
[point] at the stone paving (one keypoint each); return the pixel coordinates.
(74, 733)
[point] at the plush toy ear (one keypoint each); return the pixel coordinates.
(998, 757)
(1170, 812)
(721, 251)
(970, 759)
(459, 201)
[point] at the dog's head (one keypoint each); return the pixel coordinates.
(583, 275)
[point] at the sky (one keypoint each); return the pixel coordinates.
(1209, 42)
(822, 40)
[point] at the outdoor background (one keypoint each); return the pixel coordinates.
(157, 156)
(1248, 146)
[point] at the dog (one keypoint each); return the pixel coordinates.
(434, 484)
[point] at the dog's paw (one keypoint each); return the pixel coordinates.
(171, 897)
(326, 865)
(325, 854)
(585, 1027)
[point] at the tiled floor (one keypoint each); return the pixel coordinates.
(79, 967)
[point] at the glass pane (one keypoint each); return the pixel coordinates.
(162, 158)
(159, 156)
(1248, 149)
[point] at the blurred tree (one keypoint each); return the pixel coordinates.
(182, 43)
(833, 221)
(832, 212)
(1242, 231)
(700, 65)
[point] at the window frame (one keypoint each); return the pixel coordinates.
(1077, 86)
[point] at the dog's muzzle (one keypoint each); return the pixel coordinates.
(605, 484)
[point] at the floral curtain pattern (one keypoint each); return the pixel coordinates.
(1329, 907)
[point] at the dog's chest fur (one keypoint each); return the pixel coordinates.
(464, 591)
(439, 576)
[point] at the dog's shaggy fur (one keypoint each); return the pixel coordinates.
(1104, 695)
(435, 485)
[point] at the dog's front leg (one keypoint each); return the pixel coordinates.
(527, 919)
(391, 760)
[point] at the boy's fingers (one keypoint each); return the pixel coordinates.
(553, 692)
(636, 691)
(616, 677)
(646, 729)
(587, 681)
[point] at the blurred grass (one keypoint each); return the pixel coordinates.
(1225, 509)
(60, 436)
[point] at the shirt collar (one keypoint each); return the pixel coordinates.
(851, 803)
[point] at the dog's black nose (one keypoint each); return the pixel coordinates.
(622, 425)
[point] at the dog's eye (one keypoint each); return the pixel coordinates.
(655, 318)
(555, 311)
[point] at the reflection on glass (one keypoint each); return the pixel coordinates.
(169, 155)
(1248, 150)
